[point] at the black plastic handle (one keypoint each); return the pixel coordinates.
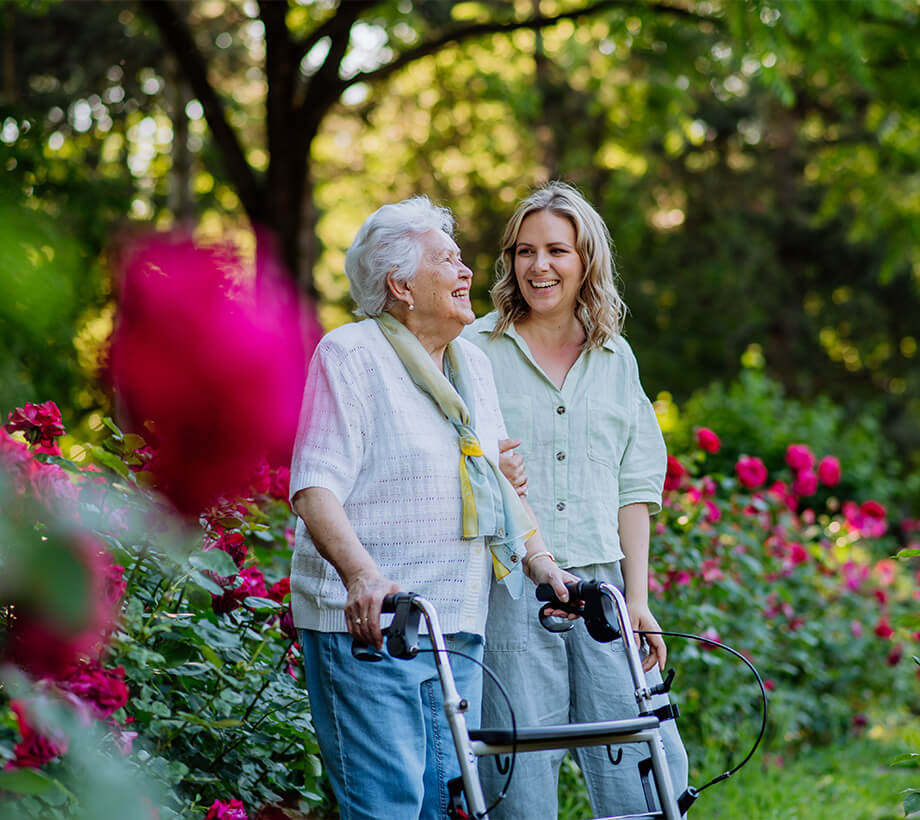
(598, 610)
(402, 633)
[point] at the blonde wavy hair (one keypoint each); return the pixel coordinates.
(599, 307)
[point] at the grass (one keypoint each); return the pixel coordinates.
(849, 780)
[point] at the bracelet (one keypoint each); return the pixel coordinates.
(543, 553)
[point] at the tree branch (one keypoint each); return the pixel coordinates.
(334, 25)
(478, 29)
(177, 38)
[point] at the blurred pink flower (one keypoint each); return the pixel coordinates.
(713, 513)
(885, 570)
(710, 571)
(856, 629)
(37, 640)
(708, 440)
(682, 578)
(829, 471)
(883, 628)
(709, 634)
(797, 554)
(799, 457)
(675, 473)
(231, 810)
(40, 422)
(895, 655)
(868, 518)
(806, 482)
(215, 364)
(854, 575)
(751, 471)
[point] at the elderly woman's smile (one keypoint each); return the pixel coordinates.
(441, 286)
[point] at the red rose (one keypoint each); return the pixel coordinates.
(806, 483)
(231, 543)
(707, 440)
(676, 471)
(894, 657)
(799, 457)
(829, 471)
(104, 690)
(751, 471)
(883, 628)
(232, 810)
(280, 590)
(40, 422)
(250, 583)
(34, 750)
(281, 482)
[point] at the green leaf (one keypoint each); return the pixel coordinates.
(27, 781)
(908, 552)
(912, 803)
(214, 560)
(258, 604)
(110, 460)
(205, 583)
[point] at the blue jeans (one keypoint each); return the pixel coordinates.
(382, 733)
(562, 678)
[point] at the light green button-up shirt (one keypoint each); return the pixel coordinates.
(589, 448)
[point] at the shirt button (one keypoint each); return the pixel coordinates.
(560, 456)
(560, 506)
(560, 409)
(514, 558)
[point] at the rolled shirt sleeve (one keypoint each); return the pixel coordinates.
(642, 468)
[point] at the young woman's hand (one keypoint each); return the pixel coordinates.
(512, 464)
(642, 618)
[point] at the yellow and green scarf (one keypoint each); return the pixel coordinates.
(491, 507)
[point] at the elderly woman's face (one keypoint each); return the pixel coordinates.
(441, 287)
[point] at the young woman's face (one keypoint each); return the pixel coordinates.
(547, 266)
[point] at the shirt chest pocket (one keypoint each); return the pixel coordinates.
(608, 432)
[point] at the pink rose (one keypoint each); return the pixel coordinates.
(799, 457)
(676, 472)
(707, 440)
(869, 518)
(40, 422)
(751, 471)
(829, 471)
(232, 810)
(806, 483)
(710, 635)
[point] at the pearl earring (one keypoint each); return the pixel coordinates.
(411, 307)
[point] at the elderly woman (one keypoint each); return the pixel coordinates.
(396, 484)
(570, 391)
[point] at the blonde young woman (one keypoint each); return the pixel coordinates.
(569, 390)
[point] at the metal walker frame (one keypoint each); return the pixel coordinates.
(607, 618)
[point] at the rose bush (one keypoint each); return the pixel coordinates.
(185, 666)
(791, 578)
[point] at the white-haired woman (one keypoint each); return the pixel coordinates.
(569, 390)
(395, 481)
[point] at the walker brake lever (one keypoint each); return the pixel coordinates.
(401, 635)
(546, 593)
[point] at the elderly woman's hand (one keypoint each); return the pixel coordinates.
(512, 464)
(366, 591)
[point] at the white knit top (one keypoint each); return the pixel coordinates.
(386, 451)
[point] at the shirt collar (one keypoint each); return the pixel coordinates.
(487, 324)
